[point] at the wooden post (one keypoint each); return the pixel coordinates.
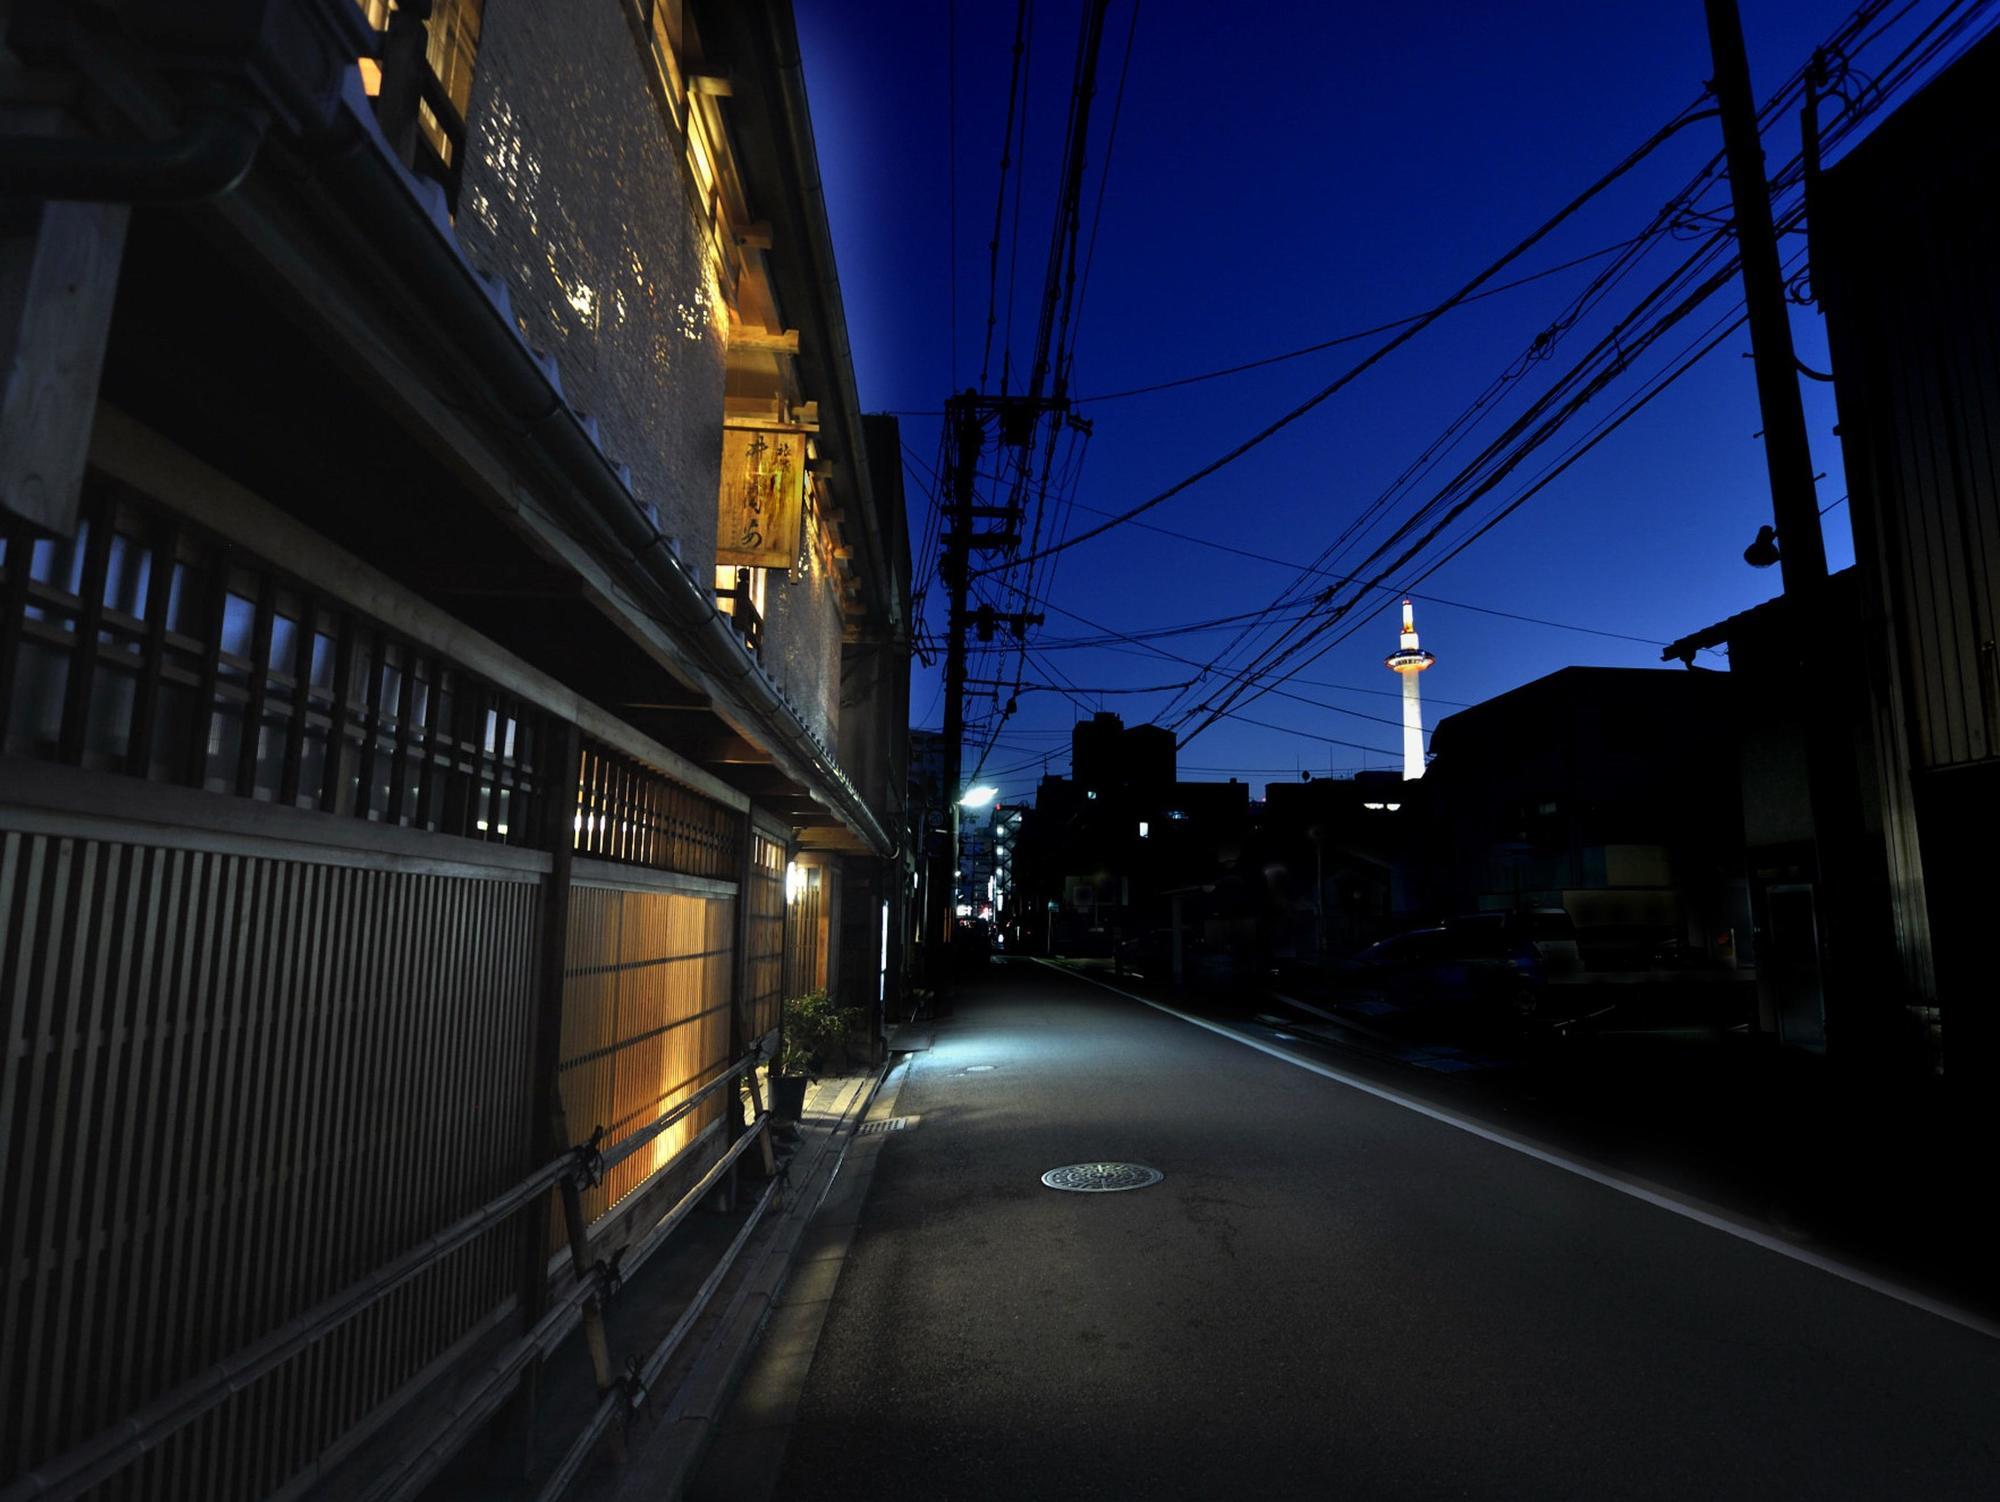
(740, 1037)
(549, 1130)
(595, 1340)
(58, 277)
(404, 61)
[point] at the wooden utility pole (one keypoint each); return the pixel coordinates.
(966, 418)
(1794, 504)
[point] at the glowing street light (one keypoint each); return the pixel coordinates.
(978, 797)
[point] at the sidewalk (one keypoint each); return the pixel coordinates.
(677, 1416)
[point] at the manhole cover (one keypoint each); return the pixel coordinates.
(1101, 1178)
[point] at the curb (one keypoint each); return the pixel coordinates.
(662, 1465)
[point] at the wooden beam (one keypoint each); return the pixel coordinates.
(763, 781)
(838, 840)
(754, 236)
(717, 85)
(766, 341)
(741, 419)
(689, 705)
(58, 276)
(728, 749)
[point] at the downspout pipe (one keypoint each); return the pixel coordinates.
(369, 187)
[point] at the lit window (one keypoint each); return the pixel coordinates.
(1144, 829)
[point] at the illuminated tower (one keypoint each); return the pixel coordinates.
(1409, 659)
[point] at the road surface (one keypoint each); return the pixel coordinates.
(1329, 1294)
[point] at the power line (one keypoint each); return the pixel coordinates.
(1375, 356)
(1674, 214)
(1359, 334)
(951, 171)
(1623, 361)
(1000, 203)
(1325, 573)
(1057, 688)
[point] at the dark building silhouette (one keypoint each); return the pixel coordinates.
(1103, 846)
(1609, 792)
(1327, 849)
(1869, 713)
(1905, 241)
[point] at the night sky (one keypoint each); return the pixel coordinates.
(1283, 174)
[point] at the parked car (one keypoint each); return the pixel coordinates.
(1547, 934)
(1488, 969)
(1411, 970)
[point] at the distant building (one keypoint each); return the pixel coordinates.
(1102, 845)
(1327, 849)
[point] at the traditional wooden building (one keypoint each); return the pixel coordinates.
(452, 686)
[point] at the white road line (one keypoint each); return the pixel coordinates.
(1652, 1194)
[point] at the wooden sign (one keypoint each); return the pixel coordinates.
(761, 502)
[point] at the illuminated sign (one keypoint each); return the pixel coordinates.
(760, 508)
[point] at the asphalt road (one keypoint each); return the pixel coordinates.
(1328, 1295)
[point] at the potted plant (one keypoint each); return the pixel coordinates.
(813, 1027)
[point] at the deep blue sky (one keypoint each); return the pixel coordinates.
(1283, 174)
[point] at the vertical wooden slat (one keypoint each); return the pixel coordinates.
(146, 692)
(399, 768)
(295, 731)
(90, 620)
(259, 687)
(427, 777)
(379, 652)
(333, 779)
(29, 1025)
(194, 770)
(13, 608)
(74, 1121)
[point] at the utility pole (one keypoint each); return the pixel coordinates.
(1855, 947)
(1794, 504)
(965, 420)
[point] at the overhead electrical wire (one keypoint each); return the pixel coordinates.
(1786, 178)
(1351, 338)
(1381, 352)
(1534, 429)
(1000, 203)
(1673, 213)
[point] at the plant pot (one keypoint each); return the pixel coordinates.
(788, 1096)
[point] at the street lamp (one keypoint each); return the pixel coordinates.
(978, 797)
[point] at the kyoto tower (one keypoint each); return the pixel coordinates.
(1408, 660)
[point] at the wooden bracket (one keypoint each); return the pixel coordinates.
(743, 337)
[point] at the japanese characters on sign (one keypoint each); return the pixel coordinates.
(761, 502)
